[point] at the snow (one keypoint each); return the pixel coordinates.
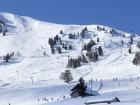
(31, 76)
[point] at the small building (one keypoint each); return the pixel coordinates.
(88, 92)
(108, 101)
(75, 93)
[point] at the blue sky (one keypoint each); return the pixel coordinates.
(121, 14)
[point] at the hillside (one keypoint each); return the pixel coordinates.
(34, 72)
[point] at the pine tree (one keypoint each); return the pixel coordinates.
(59, 50)
(94, 56)
(4, 33)
(70, 47)
(0, 28)
(131, 40)
(76, 63)
(70, 63)
(85, 47)
(138, 44)
(60, 40)
(136, 60)
(44, 53)
(129, 50)
(12, 54)
(89, 45)
(61, 32)
(83, 32)
(122, 42)
(100, 51)
(82, 89)
(74, 35)
(54, 41)
(52, 50)
(65, 47)
(89, 55)
(98, 39)
(51, 42)
(6, 58)
(71, 36)
(85, 29)
(98, 28)
(57, 37)
(83, 59)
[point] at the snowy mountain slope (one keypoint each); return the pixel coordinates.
(28, 38)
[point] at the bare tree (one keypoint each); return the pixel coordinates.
(66, 76)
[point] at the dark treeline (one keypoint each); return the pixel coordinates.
(3, 28)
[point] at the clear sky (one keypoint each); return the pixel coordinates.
(121, 14)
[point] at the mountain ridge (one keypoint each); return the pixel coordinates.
(34, 72)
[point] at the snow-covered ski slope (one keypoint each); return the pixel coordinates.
(31, 75)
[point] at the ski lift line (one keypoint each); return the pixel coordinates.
(116, 58)
(91, 69)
